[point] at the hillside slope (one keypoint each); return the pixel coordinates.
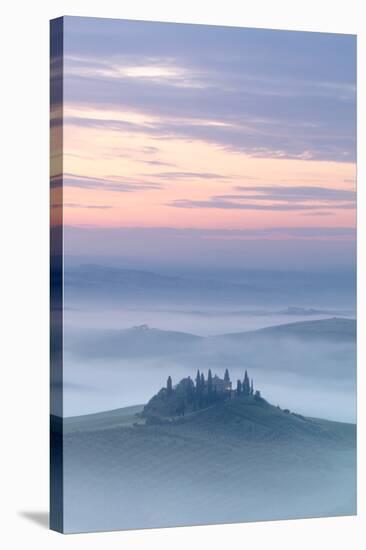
(235, 461)
(140, 341)
(259, 420)
(335, 329)
(143, 341)
(103, 420)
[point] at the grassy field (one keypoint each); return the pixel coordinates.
(238, 461)
(104, 420)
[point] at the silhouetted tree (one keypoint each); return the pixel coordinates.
(209, 384)
(238, 387)
(199, 390)
(251, 387)
(246, 384)
(198, 381)
(169, 386)
(190, 390)
(227, 376)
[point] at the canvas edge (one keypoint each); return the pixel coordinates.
(56, 517)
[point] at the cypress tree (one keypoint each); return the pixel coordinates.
(169, 385)
(202, 391)
(227, 376)
(238, 387)
(198, 381)
(246, 384)
(209, 384)
(251, 387)
(190, 390)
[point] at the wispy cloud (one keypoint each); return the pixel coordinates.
(79, 205)
(295, 193)
(261, 137)
(164, 71)
(317, 213)
(189, 175)
(230, 205)
(276, 198)
(156, 162)
(114, 184)
(293, 96)
(88, 206)
(192, 234)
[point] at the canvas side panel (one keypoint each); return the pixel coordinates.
(56, 274)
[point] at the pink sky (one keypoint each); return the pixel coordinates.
(208, 170)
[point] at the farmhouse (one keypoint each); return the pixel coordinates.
(219, 385)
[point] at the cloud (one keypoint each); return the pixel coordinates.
(317, 213)
(78, 205)
(189, 175)
(87, 206)
(244, 132)
(278, 94)
(283, 198)
(179, 234)
(112, 183)
(295, 193)
(230, 205)
(156, 163)
(158, 71)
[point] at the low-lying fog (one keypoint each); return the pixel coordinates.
(203, 321)
(107, 366)
(98, 386)
(314, 378)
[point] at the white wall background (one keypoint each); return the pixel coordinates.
(24, 271)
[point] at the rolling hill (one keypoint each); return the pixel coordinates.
(118, 418)
(92, 281)
(258, 419)
(335, 329)
(118, 285)
(239, 460)
(140, 341)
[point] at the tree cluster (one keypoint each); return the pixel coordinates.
(189, 396)
(245, 387)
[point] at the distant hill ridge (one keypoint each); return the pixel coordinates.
(319, 327)
(339, 328)
(143, 341)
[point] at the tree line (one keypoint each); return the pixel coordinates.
(189, 395)
(192, 395)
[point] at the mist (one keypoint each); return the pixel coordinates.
(126, 331)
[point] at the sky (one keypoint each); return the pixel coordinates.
(238, 142)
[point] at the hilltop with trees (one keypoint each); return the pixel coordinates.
(189, 396)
